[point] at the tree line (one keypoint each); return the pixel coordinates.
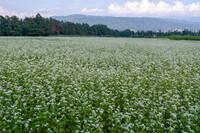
(40, 26)
(178, 37)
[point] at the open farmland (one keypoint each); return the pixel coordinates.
(99, 85)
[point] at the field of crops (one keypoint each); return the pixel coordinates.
(88, 84)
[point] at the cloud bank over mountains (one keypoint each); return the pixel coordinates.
(161, 8)
(95, 10)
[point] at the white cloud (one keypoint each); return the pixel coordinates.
(146, 8)
(4, 12)
(95, 10)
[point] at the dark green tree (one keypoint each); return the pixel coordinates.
(15, 26)
(5, 26)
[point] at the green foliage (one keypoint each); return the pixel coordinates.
(99, 85)
(177, 37)
(39, 26)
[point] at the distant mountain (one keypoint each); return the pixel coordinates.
(135, 23)
(190, 19)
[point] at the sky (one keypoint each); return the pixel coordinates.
(128, 8)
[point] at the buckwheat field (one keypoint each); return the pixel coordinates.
(74, 84)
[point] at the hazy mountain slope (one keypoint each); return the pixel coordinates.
(122, 23)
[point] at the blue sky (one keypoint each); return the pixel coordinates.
(133, 8)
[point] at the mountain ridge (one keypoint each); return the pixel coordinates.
(135, 23)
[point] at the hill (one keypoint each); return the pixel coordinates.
(136, 23)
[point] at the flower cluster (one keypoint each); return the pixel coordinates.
(99, 85)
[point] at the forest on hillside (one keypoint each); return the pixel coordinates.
(40, 26)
